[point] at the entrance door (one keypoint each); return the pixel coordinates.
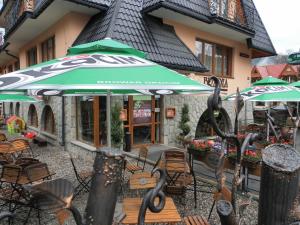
(143, 119)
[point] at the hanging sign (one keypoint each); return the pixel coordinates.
(294, 59)
(260, 90)
(224, 83)
(66, 64)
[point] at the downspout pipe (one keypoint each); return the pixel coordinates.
(63, 136)
(11, 55)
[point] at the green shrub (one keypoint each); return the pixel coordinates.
(117, 132)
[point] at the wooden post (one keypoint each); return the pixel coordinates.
(226, 213)
(279, 184)
(106, 180)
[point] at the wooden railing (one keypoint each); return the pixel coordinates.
(233, 11)
(17, 9)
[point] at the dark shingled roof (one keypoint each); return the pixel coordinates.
(199, 9)
(261, 40)
(124, 22)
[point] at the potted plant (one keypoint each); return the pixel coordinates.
(183, 137)
(117, 133)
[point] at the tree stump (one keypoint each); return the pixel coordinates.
(106, 180)
(226, 213)
(279, 184)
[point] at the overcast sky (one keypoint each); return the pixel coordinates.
(281, 19)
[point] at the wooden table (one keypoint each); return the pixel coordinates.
(169, 214)
(137, 179)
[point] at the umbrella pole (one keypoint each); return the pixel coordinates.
(108, 118)
(268, 125)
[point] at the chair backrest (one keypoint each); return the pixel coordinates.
(5, 148)
(6, 159)
(37, 172)
(11, 173)
(143, 154)
(175, 161)
(24, 162)
(20, 145)
(3, 137)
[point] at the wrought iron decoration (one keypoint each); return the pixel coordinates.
(149, 199)
(214, 104)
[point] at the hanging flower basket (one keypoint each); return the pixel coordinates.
(199, 149)
(250, 159)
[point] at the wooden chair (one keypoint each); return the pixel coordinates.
(9, 178)
(24, 162)
(178, 171)
(179, 174)
(84, 178)
(6, 153)
(21, 147)
(140, 163)
(37, 172)
(2, 137)
(195, 220)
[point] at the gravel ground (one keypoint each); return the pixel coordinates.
(59, 162)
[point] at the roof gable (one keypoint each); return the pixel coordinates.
(277, 70)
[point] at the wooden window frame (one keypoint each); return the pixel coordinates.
(96, 119)
(225, 49)
(28, 56)
(45, 55)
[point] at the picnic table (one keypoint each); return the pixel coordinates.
(142, 180)
(169, 214)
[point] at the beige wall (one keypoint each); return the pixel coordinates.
(66, 30)
(241, 67)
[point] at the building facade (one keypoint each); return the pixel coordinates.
(198, 38)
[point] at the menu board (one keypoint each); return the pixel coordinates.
(142, 112)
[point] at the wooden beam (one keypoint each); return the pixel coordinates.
(96, 122)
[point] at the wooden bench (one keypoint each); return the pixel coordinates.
(40, 141)
(195, 220)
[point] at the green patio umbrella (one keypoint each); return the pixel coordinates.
(16, 97)
(269, 94)
(295, 84)
(98, 66)
(102, 67)
(270, 81)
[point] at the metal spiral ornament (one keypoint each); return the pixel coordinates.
(150, 197)
(214, 103)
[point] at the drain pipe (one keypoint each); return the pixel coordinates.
(62, 143)
(11, 55)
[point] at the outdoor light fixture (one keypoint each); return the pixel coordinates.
(164, 92)
(216, 113)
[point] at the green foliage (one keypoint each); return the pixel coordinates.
(117, 133)
(185, 118)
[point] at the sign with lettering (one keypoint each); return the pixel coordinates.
(224, 83)
(294, 58)
(66, 64)
(260, 90)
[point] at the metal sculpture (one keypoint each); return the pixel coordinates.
(152, 195)
(214, 104)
